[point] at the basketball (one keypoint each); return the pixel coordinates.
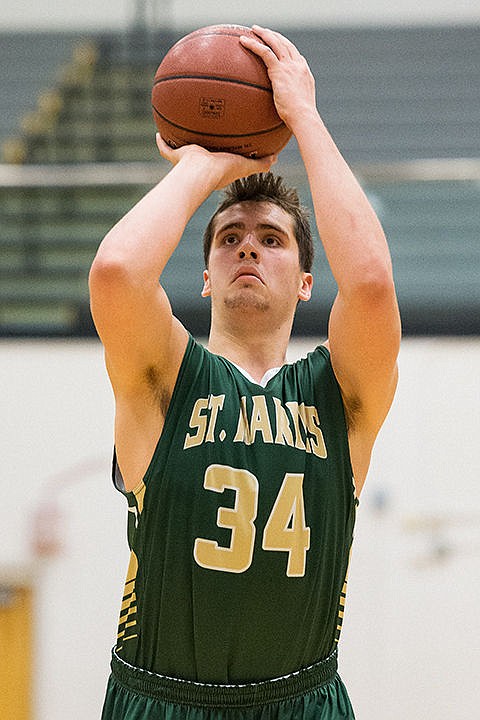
(211, 91)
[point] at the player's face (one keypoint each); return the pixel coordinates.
(254, 262)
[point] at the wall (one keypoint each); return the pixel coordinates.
(412, 610)
(411, 645)
(55, 446)
(108, 15)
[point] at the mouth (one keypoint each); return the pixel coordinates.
(248, 273)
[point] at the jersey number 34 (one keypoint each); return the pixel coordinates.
(285, 530)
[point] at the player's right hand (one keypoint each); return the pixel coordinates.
(227, 167)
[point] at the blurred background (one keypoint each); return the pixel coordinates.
(399, 89)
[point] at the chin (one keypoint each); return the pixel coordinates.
(246, 301)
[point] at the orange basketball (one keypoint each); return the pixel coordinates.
(211, 91)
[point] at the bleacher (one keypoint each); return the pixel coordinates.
(84, 153)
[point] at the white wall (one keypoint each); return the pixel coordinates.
(410, 643)
(56, 410)
(113, 14)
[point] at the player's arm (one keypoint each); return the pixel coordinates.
(364, 327)
(144, 343)
(132, 313)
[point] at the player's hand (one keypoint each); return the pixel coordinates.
(224, 167)
(292, 81)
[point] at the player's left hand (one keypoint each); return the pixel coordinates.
(292, 81)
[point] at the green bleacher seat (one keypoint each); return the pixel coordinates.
(387, 94)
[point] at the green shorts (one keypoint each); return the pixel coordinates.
(315, 693)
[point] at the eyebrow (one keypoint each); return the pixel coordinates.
(241, 226)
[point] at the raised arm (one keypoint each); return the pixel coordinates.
(131, 311)
(364, 326)
(144, 343)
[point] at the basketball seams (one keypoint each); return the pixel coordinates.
(216, 78)
(279, 126)
(215, 30)
(211, 91)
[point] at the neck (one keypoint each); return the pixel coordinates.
(256, 349)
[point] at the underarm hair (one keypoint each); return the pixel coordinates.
(352, 407)
(161, 395)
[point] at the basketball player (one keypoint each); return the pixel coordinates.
(242, 472)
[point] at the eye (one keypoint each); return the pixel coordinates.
(271, 241)
(229, 239)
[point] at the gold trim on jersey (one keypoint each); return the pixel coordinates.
(341, 610)
(127, 620)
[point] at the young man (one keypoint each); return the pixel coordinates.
(242, 472)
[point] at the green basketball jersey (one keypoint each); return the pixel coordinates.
(241, 529)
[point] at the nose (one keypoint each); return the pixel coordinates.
(248, 249)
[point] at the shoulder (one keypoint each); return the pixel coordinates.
(199, 370)
(315, 363)
(312, 378)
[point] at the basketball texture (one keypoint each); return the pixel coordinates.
(211, 91)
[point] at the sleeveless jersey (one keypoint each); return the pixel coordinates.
(240, 532)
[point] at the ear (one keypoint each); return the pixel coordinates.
(206, 284)
(305, 292)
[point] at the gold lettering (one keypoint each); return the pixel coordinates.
(260, 421)
(303, 418)
(243, 434)
(313, 425)
(215, 403)
(283, 434)
(295, 412)
(199, 421)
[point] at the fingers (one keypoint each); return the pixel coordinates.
(174, 155)
(265, 163)
(259, 48)
(243, 166)
(165, 150)
(234, 167)
(281, 46)
(292, 81)
(228, 166)
(272, 47)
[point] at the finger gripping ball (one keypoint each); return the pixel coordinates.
(211, 91)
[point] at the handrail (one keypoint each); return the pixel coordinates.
(139, 173)
(423, 170)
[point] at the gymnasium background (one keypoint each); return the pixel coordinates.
(399, 88)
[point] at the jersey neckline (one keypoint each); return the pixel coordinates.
(263, 382)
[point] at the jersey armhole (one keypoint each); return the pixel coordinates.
(117, 478)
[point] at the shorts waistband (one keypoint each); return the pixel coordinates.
(188, 692)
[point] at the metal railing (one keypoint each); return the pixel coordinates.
(135, 173)
(429, 208)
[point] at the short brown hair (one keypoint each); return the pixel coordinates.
(266, 187)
